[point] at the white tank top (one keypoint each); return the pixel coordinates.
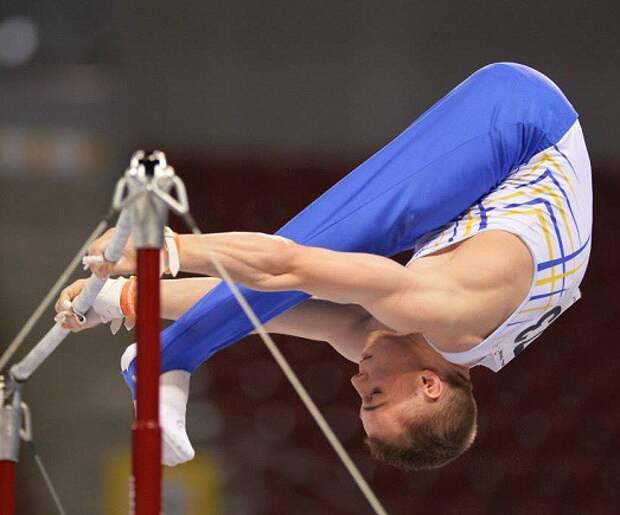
(546, 202)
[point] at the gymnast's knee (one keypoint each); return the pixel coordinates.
(500, 70)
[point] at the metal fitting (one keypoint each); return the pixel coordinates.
(145, 190)
(11, 420)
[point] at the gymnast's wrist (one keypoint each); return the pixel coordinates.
(127, 299)
(187, 256)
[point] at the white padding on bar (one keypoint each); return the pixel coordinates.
(87, 296)
(54, 337)
(114, 250)
(48, 344)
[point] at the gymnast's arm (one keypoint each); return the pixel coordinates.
(343, 326)
(468, 298)
(400, 299)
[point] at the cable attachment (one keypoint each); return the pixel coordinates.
(149, 188)
(16, 424)
(11, 420)
(25, 432)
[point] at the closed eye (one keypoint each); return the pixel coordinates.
(372, 408)
(375, 391)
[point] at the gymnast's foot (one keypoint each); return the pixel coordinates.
(173, 394)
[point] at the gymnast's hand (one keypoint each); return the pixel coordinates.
(64, 314)
(97, 264)
(115, 304)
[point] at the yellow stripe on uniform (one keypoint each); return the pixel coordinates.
(548, 191)
(543, 224)
(531, 310)
(492, 202)
(555, 277)
(470, 222)
(552, 280)
(526, 176)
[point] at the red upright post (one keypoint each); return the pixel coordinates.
(11, 419)
(7, 487)
(146, 431)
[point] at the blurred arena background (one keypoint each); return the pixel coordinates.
(260, 106)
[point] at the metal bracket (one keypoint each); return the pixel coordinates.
(146, 189)
(26, 430)
(11, 420)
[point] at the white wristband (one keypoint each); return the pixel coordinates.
(170, 257)
(106, 308)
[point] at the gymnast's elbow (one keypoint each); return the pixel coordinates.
(278, 270)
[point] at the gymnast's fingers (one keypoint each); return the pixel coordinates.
(94, 260)
(97, 264)
(66, 317)
(97, 247)
(68, 294)
(71, 323)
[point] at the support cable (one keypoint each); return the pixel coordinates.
(46, 478)
(25, 433)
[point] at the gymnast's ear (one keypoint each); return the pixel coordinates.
(431, 385)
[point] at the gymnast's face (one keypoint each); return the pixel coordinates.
(393, 386)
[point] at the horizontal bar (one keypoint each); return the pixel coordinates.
(54, 337)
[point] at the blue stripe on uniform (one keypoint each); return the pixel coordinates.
(544, 295)
(554, 262)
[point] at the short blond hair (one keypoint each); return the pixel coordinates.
(441, 437)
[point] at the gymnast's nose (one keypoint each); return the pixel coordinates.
(360, 383)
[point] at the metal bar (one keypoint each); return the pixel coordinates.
(146, 457)
(51, 295)
(55, 336)
(39, 353)
(149, 185)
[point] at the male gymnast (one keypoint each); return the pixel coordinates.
(491, 188)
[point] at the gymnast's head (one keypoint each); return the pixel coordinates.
(418, 410)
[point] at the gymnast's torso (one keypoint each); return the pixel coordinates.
(547, 204)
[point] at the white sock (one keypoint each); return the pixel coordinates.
(173, 395)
